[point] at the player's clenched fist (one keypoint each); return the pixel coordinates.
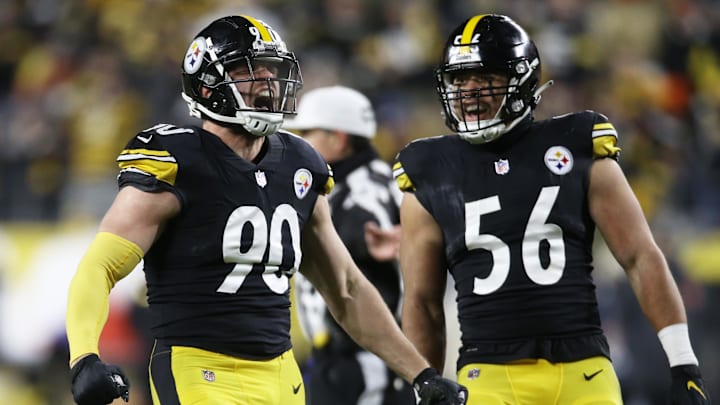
(98, 383)
(436, 390)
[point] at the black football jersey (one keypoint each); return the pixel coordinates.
(518, 234)
(217, 276)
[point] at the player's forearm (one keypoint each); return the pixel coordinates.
(425, 328)
(108, 259)
(87, 312)
(366, 318)
(656, 291)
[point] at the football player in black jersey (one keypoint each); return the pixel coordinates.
(509, 207)
(223, 215)
(340, 123)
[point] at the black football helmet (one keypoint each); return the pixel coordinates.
(240, 42)
(490, 44)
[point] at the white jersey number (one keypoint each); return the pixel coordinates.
(265, 236)
(536, 231)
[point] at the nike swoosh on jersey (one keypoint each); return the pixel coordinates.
(692, 386)
(145, 139)
(591, 376)
(297, 389)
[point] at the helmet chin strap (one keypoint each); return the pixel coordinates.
(491, 129)
(260, 123)
(255, 123)
(537, 96)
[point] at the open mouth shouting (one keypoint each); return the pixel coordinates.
(475, 110)
(263, 100)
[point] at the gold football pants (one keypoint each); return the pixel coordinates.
(537, 381)
(191, 376)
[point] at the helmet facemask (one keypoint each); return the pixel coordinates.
(518, 99)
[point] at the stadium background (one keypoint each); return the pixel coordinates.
(79, 77)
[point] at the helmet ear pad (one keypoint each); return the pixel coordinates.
(214, 98)
(220, 101)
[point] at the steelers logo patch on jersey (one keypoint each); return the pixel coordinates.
(559, 160)
(302, 182)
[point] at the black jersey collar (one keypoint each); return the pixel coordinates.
(273, 152)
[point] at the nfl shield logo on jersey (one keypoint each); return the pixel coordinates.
(502, 166)
(260, 178)
(473, 373)
(302, 182)
(208, 375)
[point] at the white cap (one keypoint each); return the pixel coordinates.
(335, 108)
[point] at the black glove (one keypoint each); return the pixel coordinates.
(687, 386)
(98, 383)
(436, 390)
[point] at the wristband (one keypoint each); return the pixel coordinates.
(675, 340)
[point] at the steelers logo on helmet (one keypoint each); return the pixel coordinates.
(559, 160)
(194, 55)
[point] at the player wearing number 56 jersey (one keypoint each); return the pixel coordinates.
(223, 215)
(509, 206)
(517, 234)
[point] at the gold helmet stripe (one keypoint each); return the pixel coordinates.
(264, 33)
(469, 29)
(468, 32)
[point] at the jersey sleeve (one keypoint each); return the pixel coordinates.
(147, 164)
(604, 138)
(329, 184)
(401, 178)
(409, 163)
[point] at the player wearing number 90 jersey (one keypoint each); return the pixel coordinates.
(217, 212)
(223, 265)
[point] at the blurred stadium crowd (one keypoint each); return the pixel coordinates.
(78, 78)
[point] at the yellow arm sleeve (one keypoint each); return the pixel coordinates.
(108, 259)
